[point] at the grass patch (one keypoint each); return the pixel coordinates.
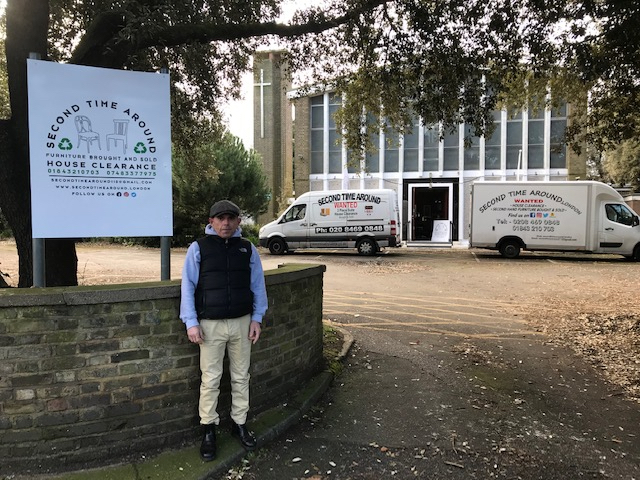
(332, 340)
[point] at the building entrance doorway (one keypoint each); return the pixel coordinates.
(431, 213)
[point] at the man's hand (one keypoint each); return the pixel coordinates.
(254, 331)
(195, 334)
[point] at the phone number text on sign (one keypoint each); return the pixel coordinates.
(351, 229)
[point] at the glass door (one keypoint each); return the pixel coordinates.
(431, 211)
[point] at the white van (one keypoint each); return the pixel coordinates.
(363, 219)
(571, 216)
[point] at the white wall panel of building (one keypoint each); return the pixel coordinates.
(432, 170)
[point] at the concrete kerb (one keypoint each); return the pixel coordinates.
(347, 339)
(185, 464)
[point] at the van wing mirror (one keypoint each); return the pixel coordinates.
(636, 221)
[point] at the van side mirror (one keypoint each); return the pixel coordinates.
(636, 221)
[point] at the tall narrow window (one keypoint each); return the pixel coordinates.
(372, 157)
(317, 136)
(335, 138)
(492, 144)
(451, 149)
(411, 145)
(391, 160)
(535, 139)
(431, 148)
(471, 149)
(558, 157)
(514, 140)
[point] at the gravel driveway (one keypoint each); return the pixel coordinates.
(466, 365)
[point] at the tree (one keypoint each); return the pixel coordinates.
(240, 176)
(623, 164)
(445, 60)
(211, 171)
(606, 59)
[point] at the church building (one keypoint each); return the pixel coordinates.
(432, 176)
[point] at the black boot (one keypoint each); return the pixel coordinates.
(247, 439)
(208, 446)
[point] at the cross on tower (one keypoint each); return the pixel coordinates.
(261, 85)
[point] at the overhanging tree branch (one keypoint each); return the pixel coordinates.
(102, 30)
(105, 28)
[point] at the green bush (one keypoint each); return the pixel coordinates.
(250, 232)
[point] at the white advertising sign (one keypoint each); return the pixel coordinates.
(100, 148)
(546, 214)
(440, 231)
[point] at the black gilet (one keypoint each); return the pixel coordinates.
(224, 285)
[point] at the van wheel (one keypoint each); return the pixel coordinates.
(510, 249)
(366, 246)
(277, 246)
(636, 254)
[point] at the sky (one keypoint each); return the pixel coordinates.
(240, 113)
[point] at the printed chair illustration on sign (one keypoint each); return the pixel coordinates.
(119, 134)
(83, 125)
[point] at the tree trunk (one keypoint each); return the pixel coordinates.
(61, 262)
(15, 202)
(27, 28)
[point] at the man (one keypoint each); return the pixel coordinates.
(223, 300)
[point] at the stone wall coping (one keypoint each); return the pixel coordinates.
(115, 293)
(288, 272)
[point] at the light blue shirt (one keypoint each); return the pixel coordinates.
(191, 274)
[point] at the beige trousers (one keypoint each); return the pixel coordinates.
(233, 335)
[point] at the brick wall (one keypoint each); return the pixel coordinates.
(91, 373)
(302, 154)
(634, 202)
(272, 116)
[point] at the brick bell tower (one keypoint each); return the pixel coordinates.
(272, 128)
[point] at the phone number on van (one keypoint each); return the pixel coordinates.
(351, 229)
